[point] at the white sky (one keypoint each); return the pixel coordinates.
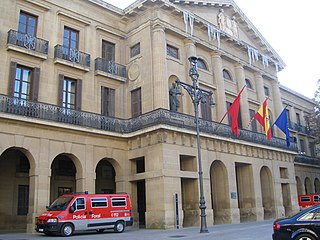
(293, 31)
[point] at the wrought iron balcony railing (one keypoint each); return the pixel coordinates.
(160, 116)
(72, 55)
(27, 41)
(299, 128)
(110, 67)
(301, 158)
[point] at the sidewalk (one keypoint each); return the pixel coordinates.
(243, 231)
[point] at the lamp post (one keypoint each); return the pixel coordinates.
(198, 95)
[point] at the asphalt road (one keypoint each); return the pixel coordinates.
(244, 231)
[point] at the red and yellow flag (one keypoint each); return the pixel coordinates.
(262, 116)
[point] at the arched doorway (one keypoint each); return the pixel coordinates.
(316, 185)
(220, 193)
(308, 185)
(300, 189)
(63, 176)
(105, 177)
(14, 189)
(267, 193)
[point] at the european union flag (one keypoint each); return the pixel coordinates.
(282, 123)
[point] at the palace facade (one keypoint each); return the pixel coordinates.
(85, 106)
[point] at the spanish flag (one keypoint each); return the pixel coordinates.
(262, 116)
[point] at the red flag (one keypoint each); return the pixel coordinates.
(234, 112)
(262, 116)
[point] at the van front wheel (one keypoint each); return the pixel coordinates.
(119, 227)
(67, 230)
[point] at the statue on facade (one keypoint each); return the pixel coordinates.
(234, 27)
(222, 20)
(174, 92)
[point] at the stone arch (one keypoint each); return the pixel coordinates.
(316, 185)
(308, 185)
(220, 192)
(66, 175)
(105, 175)
(300, 189)
(267, 193)
(15, 182)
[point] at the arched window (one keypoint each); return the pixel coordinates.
(226, 75)
(201, 64)
(248, 83)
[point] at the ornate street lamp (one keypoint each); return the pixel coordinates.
(198, 95)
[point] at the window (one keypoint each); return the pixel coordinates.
(24, 82)
(253, 123)
(302, 147)
(206, 109)
(136, 103)
(27, 24)
(108, 51)
(226, 75)
(80, 203)
(298, 119)
(69, 92)
(70, 44)
(107, 101)
(248, 83)
(201, 64)
(99, 202)
(266, 91)
(23, 164)
(140, 166)
(172, 51)
(135, 50)
(118, 202)
(288, 117)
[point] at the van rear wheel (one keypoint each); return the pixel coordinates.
(119, 227)
(67, 230)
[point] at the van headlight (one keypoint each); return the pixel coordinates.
(52, 220)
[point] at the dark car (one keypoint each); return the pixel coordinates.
(304, 225)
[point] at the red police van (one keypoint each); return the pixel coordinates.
(308, 200)
(80, 212)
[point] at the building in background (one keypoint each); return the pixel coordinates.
(85, 106)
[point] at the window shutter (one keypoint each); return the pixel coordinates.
(136, 102)
(35, 84)
(60, 89)
(111, 102)
(12, 77)
(78, 94)
(103, 97)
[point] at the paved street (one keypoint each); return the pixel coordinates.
(243, 231)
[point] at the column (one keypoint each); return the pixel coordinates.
(244, 105)
(190, 50)
(160, 82)
(220, 97)
(277, 103)
(259, 87)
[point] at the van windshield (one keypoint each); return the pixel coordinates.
(60, 204)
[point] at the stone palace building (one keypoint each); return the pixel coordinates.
(85, 106)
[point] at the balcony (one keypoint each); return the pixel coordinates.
(27, 44)
(110, 69)
(299, 128)
(54, 113)
(301, 158)
(72, 57)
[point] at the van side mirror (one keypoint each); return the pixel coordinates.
(72, 209)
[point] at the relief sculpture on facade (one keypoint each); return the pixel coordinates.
(227, 24)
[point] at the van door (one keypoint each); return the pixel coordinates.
(80, 216)
(99, 217)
